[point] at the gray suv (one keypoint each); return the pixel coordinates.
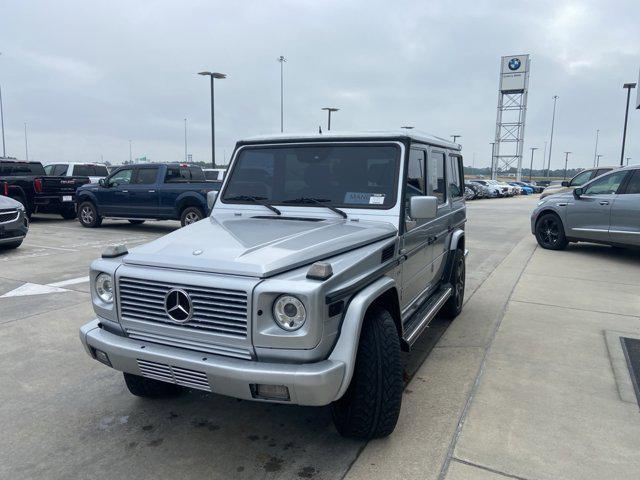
(604, 210)
(324, 257)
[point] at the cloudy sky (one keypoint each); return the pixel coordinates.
(87, 77)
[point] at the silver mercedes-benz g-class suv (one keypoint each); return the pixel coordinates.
(323, 258)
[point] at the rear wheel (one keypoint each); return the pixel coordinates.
(88, 215)
(371, 405)
(453, 307)
(136, 222)
(550, 232)
(191, 215)
(149, 388)
(11, 245)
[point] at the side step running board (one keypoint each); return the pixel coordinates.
(425, 314)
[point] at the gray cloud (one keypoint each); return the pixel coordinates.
(89, 76)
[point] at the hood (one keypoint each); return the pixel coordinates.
(256, 246)
(6, 202)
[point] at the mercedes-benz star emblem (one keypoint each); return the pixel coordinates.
(177, 304)
(514, 64)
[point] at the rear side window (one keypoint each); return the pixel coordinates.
(436, 186)
(59, 170)
(197, 175)
(101, 171)
(177, 175)
(455, 182)
(146, 176)
(211, 175)
(633, 187)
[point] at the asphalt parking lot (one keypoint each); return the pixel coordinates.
(67, 416)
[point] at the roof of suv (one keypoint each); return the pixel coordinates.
(385, 135)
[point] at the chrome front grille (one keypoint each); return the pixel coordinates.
(172, 374)
(9, 215)
(206, 347)
(216, 310)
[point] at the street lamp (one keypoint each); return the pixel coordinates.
(533, 149)
(553, 121)
(4, 151)
(281, 59)
(493, 150)
(566, 161)
(185, 140)
(455, 137)
(628, 86)
(628, 158)
(26, 143)
(212, 76)
(329, 110)
(595, 153)
(598, 159)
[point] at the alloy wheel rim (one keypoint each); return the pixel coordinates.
(86, 214)
(459, 286)
(549, 231)
(190, 218)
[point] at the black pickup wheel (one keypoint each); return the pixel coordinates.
(371, 405)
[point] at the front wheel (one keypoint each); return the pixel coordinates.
(149, 388)
(453, 307)
(371, 405)
(88, 215)
(191, 215)
(550, 232)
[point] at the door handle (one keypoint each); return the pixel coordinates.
(604, 202)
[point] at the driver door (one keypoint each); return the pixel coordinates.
(588, 217)
(114, 199)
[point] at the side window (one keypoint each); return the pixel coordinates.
(456, 185)
(606, 185)
(581, 178)
(146, 176)
(416, 176)
(177, 175)
(633, 187)
(49, 169)
(197, 175)
(121, 177)
(436, 186)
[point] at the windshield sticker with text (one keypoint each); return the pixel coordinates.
(364, 198)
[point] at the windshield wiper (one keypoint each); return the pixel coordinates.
(254, 199)
(317, 201)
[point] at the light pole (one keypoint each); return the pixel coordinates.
(130, 156)
(628, 158)
(281, 59)
(4, 151)
(598, 159)
(566, 161)
(407, 127)
(26, 143)
(595, 153)
(533, 149)
(219, 76)
(185, 140)
(628, 86)
(329, 110)
(455, 137)
(553, 122)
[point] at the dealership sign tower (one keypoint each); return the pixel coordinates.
(512, 112)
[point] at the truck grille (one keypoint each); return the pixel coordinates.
(8, 215)
(171, 374)
(215, 310)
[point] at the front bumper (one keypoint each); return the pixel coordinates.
(309, 384)
(14, 230)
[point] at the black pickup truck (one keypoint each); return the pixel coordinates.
(28, 183)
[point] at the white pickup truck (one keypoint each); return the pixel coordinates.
(95, 171)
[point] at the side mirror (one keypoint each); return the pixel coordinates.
(577, 192)
(423, 208)
(102, 182)
(211, 198)
(565, 184)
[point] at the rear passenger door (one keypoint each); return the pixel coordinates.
(437, 186)
(143, 194)
(625, 213)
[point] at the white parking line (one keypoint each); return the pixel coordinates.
(53, 248)
(71, 281)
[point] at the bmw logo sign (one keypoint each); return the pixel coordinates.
(514, 64)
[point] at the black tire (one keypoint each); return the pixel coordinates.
(550, 232)
(453, 307)
(88, 215)
(11, 245)
(191, 215)
(69, 213)
(149, 388)
(371, 405)
(136, 222)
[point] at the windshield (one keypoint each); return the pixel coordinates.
(355, 176)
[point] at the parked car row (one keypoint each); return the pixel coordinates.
(481, 188)
(168, 191)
